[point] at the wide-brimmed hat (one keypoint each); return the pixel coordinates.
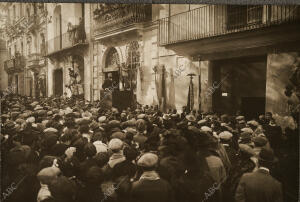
(266, 155)
(260, 141)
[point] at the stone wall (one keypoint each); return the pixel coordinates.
(279, 68)
(3, 74)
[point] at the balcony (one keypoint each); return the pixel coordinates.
(35, 61)
(15, 64)
(120, 17)
(31, 22)
(217, 20)
(72, 40)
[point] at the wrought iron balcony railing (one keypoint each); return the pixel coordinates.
(16, 64)
(35, 60)
(31, 21)
(216, 20)
(73, 37)
(120, 16)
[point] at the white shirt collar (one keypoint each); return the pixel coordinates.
(264, 168)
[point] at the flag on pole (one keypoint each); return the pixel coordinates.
(163, 89)
(190, 101)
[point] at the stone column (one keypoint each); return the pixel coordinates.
(50, 78)
(87, 77)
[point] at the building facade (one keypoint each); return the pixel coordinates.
(238, 58)
(26, 42)
(246, 54)
(68, 49)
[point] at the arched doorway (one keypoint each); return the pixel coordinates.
(58, 82)
(111, 68)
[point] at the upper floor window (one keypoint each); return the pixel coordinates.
(22, 48)
(27, 12)
(15, 47)
(241, 16)
(14, 12)
(21, 10)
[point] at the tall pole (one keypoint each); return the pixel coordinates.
(191, 92)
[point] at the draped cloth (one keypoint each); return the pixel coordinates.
(190, 100)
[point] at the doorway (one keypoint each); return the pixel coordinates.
(252, 107)
(115, 78)
(58, 82)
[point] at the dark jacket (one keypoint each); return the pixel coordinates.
(151, 190)
(258, 186)
(197, 188)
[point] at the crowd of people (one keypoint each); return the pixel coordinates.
(69, 150)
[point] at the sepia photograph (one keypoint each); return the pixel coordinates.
(141, 102)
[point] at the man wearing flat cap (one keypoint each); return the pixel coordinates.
(150, 187)
(260, 186)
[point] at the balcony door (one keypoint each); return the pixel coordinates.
(58, 82)
(57, 23)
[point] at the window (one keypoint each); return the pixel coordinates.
(14, 12)
(43, 45)
(21, 10)
(8, 16)
(254, 14)
(29, 39)
(241, 16)
(112, 58)
(129, 71)
(22, 48)
(27, 12)
(15, 46)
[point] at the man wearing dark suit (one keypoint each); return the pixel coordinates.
(260, 186)
(108, 83)
(150, 187)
